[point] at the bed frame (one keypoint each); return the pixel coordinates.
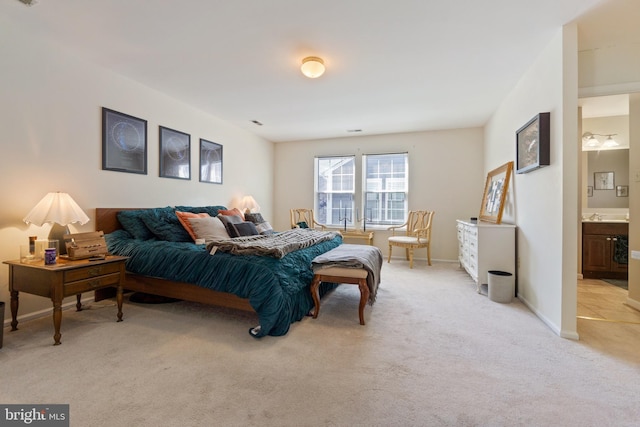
(107, 221)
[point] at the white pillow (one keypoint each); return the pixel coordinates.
(208, 228)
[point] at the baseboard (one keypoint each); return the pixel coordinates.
(633, 303)
(42, 313)
(563, 334)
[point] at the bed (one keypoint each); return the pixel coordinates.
(277, 289)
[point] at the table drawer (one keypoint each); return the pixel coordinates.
(91, 284)
(91, 271)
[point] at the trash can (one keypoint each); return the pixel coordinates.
(501, 286)
(1, 321)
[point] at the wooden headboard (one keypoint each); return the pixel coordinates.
(106, 219)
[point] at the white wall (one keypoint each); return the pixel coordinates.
(634, 201)
(50, 116)
(445, 175)
(614, 68)
(544, 202)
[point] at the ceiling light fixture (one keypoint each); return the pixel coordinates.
(312, 67)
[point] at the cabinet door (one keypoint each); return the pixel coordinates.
(596, 252)
(616, 267)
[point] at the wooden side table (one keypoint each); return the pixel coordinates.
(358, 234)
(63, 279)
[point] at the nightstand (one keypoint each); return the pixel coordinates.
(63, 279)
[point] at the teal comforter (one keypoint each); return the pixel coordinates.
(277, 289)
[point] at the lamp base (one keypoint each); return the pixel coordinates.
(57, 233)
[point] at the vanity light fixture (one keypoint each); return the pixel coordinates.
(610, 142)
(312, 67)
(589, 140)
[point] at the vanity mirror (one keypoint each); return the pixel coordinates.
(608, 175)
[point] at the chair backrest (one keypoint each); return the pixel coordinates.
(302, 216)
(419, 223)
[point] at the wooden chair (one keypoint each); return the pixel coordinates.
(418, 235)
(300, 216)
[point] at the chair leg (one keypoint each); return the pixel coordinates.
(406, 254)
(390, 249)
(429, 253)
(410, 251)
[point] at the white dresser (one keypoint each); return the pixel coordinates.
(486, 246)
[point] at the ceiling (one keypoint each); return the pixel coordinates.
(401, 66)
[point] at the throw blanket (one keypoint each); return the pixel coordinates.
(353, 256)
(276, 245)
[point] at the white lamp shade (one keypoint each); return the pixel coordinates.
(312, 67)
(57, 208)
(610, 142)
(249, 204)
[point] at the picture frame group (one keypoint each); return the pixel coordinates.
(124, 149)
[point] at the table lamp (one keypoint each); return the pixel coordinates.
(60, 210)
(249, 204)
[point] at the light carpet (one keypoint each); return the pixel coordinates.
(433, 353)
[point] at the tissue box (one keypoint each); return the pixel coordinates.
(85, 245)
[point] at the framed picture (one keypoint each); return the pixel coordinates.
(124, 142)
(495, 193)
(589, 191)
(533, 144)
(603, 180)
(622, 191)
(175, 154)
(210, 162)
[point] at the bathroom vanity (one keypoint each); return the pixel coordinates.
(603, 254)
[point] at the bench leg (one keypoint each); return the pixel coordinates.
(364, 296)
(315, 294)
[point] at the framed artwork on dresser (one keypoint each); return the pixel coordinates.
(495, 193)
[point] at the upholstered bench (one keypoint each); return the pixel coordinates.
(353, 276)
(351, 264)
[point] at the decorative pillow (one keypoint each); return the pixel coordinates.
(246, 228)
(229, 222)
(234, 211)
(211, 210)
(164, 224)
(132, 223)
(183, 216)
(302, 224)
(255, 218)
(209, 228)
(264, 228)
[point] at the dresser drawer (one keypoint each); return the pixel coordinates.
(91, 271)
(92, 284)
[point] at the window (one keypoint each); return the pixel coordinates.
(385, 183)
(334, 190)
(381, 195)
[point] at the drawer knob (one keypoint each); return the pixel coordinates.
(95, 271)
(94, 283)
